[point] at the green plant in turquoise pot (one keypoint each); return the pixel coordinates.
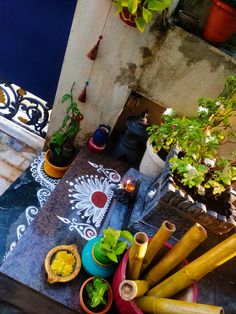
(139, 13)
(100, 254)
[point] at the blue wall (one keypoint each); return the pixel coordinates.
(33, 39)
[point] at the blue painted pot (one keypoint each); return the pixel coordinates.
(91, 265)
(100, 135)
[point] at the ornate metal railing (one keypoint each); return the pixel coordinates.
(24, 108)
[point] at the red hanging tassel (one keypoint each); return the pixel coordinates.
(92, 54)
(82, 96)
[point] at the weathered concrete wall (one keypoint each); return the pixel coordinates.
(173, 70)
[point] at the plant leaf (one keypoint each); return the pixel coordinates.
(133, 6)
(157, 5)
(140, 22)
(121, 246)
(112, 256)
(127, 235)
(147, 15)
(65, 97)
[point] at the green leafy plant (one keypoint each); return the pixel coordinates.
(97, 291)
(70, 124)
(141, 10)
(200, 164)
(111, 245)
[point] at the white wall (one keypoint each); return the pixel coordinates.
(173, 70)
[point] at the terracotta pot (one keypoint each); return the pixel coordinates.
(51, 170)
(221, 23)
(83, 303)
(128, 18)
(130, 307)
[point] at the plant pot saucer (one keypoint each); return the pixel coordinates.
(52, 277)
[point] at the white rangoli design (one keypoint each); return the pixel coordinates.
(48, 185)
(90, 197)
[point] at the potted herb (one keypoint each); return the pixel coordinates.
(61, 149)
(139, 13)
(100, 254)
(221, 21)
(162, 138)
(96, 295)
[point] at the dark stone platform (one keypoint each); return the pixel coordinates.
(21, 203)
(71, 215)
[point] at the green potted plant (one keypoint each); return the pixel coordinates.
(200, 164)
(61, 149)
(221, 21)
(138, 13)
(100, 254)
(96, 295)
(162, 138)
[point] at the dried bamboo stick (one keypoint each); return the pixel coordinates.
(167, 306)
(130, 289)
(192, 238)
(136, 255)
(157, 242)
(196, 269)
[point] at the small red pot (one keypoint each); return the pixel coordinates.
(128, 18)
(130, 307)
(221, 23)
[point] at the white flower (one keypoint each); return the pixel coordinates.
(210, 138)
(218, 103)
(201, 190)
(210, 162)
(202, 110)
(189, 167)
(168, 112)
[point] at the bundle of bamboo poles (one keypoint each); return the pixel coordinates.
(143, 283)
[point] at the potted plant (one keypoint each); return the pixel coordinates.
(221, 21)
(200, 169)
(61, 149)
(138, 13)
(162, 138)
(100, 254)
(96, 295)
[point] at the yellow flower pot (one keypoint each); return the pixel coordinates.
(53, 171)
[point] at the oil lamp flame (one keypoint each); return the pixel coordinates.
(129, 186)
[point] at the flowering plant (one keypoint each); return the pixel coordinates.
(168, 132)
(200, 164)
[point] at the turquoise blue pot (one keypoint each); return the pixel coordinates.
(93, 267)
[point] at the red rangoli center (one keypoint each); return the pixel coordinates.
(99, 199)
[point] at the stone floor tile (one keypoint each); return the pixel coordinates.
(10, 156)
(9, 172)
(4, 184)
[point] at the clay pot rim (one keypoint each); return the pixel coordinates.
(109, 297)
(53, 278)
(225, 6)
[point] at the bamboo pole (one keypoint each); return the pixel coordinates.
(167, 306)
(130, 289)
(196, 269)
(157, 242)
(191, 239)
(136, 255)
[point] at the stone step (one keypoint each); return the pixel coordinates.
(22, 277)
